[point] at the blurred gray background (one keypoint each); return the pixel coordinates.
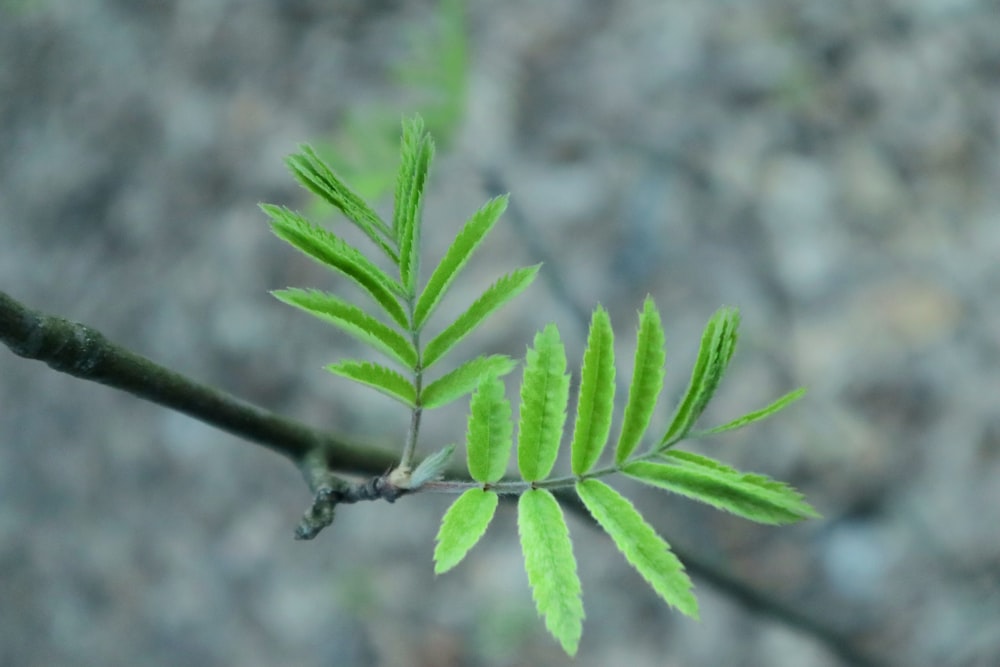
(830, 168)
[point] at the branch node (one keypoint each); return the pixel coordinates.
(319, 515)
(330, 490)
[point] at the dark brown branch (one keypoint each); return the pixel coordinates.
(329, 490)
(84, 352)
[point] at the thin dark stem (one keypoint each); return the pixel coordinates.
(83, 352)
(413, 433)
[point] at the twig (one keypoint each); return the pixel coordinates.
(84, 352)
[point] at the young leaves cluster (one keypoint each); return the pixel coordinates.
(401, 309)
(394, 324)
(433, 74)
(548, 553)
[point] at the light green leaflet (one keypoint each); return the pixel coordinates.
(718, 343)
(333, 252)
(551, 567)
(496, 295)
(544, 394)
(648, 553)
(353, 321)
(416, 153)
(753, 497)
(596, 401)
(489, 435)
(458, 254)
(647, 381)
(462, 527)
(380, 378)
(757, 415)
(315, 175)
(464, 379)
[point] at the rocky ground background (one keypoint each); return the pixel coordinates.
(831, 168)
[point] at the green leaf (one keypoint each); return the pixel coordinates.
(353, 321)
(544, 394)
(416, 153)
(596, 401)
(380, 378)
(332, 251)
(489, 436)
(317, 177)
(464, 379)
(647, 381)
(750, 496)
(648, 553)
(551, 567)
(496, 295)
(458, 254)
(757, 415)
(463, 525)
(431, 468)
(718, 342)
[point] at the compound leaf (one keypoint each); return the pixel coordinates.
(596, 401)
(544, 394)
(314, 174)
(496, 295)
(551, 567)
(334, 252)
(648, 553)
(378, 377)
(701, 478)
(647, 381)
(353, 321)
(458, 254)
(490, 430)
(757, 415)
(462, 526)
(464, 379)
(718, 342)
